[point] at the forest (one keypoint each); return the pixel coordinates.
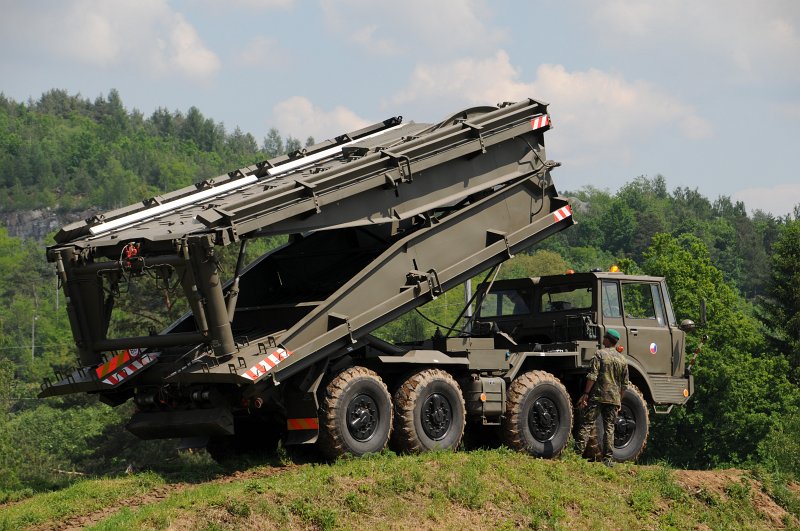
(70, 153)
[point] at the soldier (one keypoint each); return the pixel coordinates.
(606, 383)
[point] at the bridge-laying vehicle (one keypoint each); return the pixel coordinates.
(379, 221)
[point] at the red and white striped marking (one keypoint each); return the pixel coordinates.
(540, 121)
(130, 369)
(562, 213)
(115, 362)
(260, 369)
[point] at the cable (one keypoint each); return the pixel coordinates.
(434, 322)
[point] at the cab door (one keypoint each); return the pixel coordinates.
(649, 336)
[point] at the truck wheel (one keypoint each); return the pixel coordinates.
(631, 427)
(356, 414)
(429, 413)
(538, 415)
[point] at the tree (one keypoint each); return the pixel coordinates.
(541, 262)
(163, 121)
(619, 226)
(8, 476)
(241, 143)
(273, 144)
(293, 144)
(780, 309)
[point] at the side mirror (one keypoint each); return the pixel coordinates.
(687, 325)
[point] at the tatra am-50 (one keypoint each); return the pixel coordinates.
(379, 222)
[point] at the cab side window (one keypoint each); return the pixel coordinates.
(564, 298)
(638, 301)
(504, 303)
(611, 306)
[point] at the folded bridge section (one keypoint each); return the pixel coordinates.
(380, 221)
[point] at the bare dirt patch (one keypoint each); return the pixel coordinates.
(718, 483)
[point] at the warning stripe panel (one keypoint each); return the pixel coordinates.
(115, 362)
(112, 364)
(130, 369)
(562, 213)
(271, 361)
(302, 424)
(540, 122)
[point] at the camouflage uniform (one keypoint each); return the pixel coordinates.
(609, 370)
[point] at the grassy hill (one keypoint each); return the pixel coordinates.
(482, 489)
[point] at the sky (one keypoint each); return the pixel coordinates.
(705, 93)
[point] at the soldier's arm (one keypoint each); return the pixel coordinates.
(626, 383)
(594, 370)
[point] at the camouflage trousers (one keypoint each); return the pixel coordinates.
(609, 415)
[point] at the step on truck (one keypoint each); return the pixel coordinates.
(378, 222)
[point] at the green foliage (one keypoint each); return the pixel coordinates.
(779, 451)
(47, 439)
(67, 152)
(740, 393)
(623, 225)
(538, 263)
(780, 310)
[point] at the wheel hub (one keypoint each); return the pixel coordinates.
(624, 427)
(437, 415)
(543, 419)
(362, 417)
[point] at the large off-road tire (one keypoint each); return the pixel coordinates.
(252, 437)
(355, 414)
(631, 427)
(429, 413)
(538, 415)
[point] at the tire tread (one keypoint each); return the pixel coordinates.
(330, 440)
(512, 433)
(405, 437)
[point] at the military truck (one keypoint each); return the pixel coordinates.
(379, 222)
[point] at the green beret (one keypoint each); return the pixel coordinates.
(613, 334)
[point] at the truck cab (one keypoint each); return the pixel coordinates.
(546, 313)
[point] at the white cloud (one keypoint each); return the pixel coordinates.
(413, 26)
(261, 52)
(778, 200)
(597, 115)
(753, 37)
(147, 35)
(298, 117)
(489, 80)
(187, 53)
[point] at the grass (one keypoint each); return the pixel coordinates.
(80, 498)
(486, 489)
